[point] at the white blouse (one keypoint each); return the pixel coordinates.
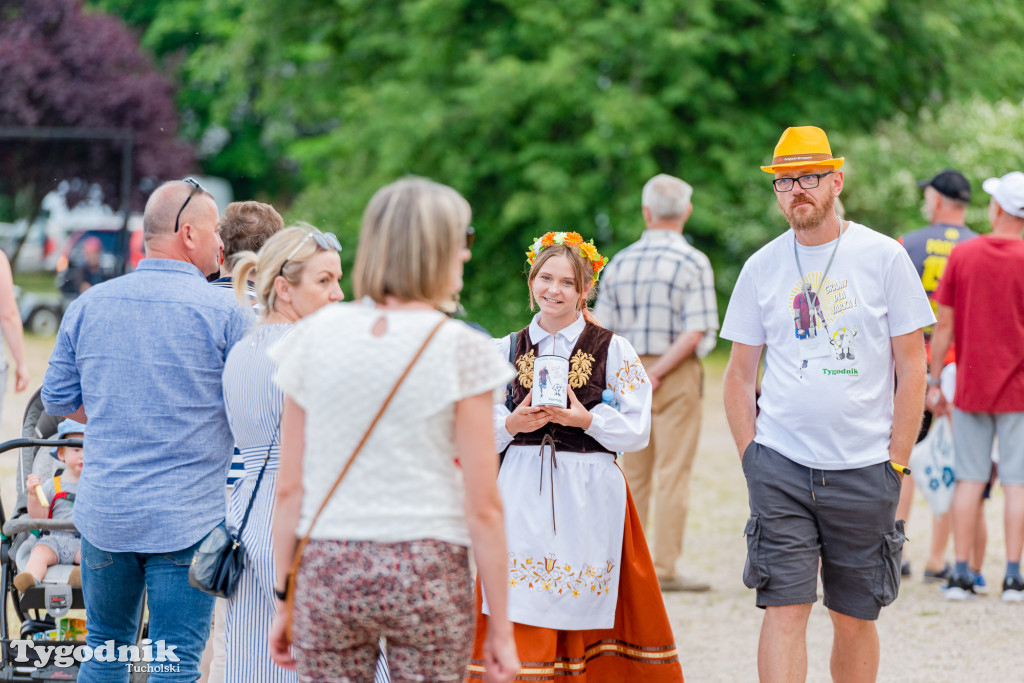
(627, 429)
(406, 483)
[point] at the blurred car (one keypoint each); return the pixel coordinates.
(40, 312)
(38, 250)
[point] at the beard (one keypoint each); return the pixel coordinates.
(808, 221)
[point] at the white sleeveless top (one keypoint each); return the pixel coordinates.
(405, 484)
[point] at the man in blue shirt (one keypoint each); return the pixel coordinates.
(139, 358)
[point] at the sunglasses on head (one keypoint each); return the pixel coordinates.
(196, 187)
(470, 236)
(325, 240)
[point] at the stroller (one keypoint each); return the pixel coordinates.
(41, 610)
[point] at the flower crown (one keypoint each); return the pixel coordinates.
(569, 239)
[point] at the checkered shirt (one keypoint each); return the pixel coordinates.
(655, 290)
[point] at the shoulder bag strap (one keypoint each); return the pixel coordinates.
(312, 524)
(255, 489)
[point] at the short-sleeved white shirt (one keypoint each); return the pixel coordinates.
(835, 412)
(405, 484)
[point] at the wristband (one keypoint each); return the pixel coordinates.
(281, 595)
(932, 382)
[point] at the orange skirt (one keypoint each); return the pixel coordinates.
(640, 647)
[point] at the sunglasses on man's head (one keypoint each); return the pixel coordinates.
(196, 187)
(325, 240)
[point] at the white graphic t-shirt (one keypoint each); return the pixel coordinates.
(827, 392)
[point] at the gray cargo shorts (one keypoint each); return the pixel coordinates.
(845, 517)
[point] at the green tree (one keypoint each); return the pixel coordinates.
(55, 78)
(980, 139)
(552, 115)
(198, 42)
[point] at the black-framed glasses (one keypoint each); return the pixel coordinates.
(325, 240)
(470, 236)
(808, 182)
(196, 187)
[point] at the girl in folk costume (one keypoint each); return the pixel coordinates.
(582, 591)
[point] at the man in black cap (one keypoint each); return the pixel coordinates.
(946, 197)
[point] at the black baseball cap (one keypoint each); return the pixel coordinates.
(949, 183)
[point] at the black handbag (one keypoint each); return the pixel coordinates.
(217, 565)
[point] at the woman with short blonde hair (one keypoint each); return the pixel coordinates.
(412, 231)
(388, 556)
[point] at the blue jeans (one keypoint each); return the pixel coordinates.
(113, 585)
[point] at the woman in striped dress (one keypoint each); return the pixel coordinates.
(296, 273)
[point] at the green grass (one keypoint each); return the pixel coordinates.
(42, 282)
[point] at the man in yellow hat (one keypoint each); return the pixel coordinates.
(840, 309)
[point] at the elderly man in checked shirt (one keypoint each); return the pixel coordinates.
(659, 294)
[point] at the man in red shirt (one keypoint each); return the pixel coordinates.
(946, 197)
(981, 309)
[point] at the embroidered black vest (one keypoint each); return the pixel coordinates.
(586, 377)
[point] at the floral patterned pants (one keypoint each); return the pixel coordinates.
(418, 595)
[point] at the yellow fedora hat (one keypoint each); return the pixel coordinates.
(802, 146)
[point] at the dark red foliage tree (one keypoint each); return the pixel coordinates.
(63, 67)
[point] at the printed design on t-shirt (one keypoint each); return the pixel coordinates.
(547, 575)
(815, 307)
(525, 365)
(842, 342)
(627, 378)
(581, 367)
(933, 265)
(937, 255)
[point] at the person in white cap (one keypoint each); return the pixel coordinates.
(981, 311)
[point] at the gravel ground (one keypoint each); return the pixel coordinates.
(924, 638)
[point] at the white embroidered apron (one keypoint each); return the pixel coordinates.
(563, 567)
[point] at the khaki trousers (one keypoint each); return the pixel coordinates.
(662, 470)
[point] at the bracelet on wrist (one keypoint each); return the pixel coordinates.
(933, 382)
(281, 594)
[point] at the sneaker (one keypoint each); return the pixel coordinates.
(1013, 590)
(905, 568)
(932, 576)
(980, 587)
(960, 588)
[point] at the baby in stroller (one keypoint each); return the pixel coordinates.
(54, 499)
(38, 612)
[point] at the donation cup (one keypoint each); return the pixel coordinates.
(550, 381)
